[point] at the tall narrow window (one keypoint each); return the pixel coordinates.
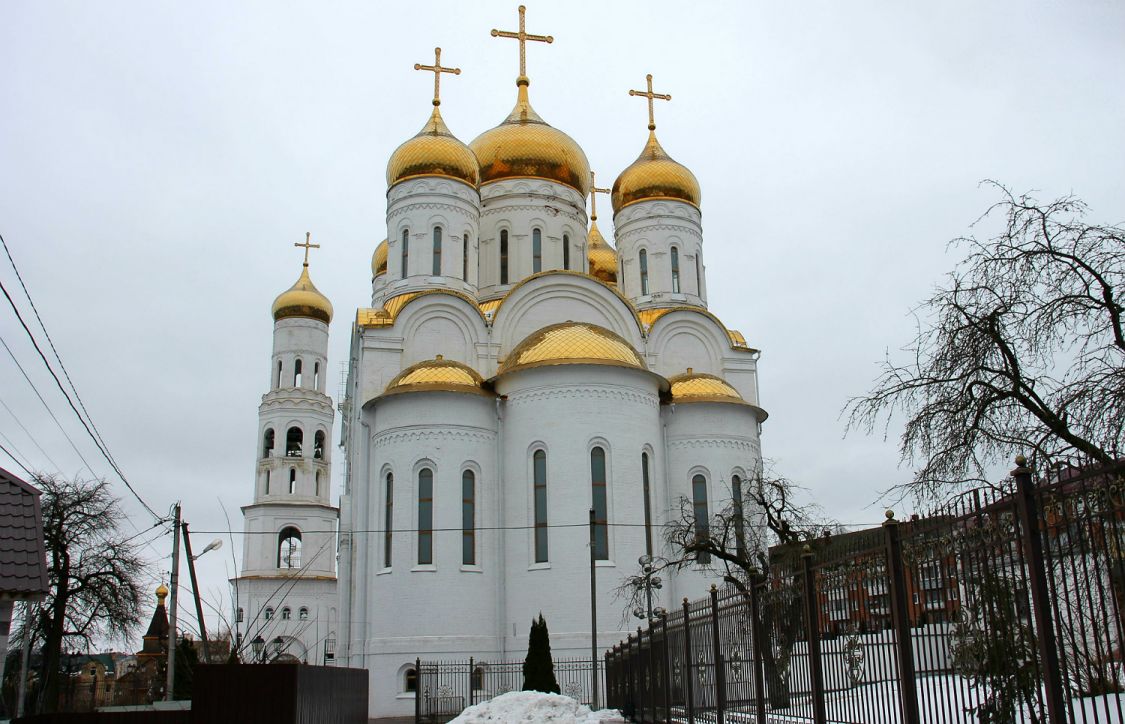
(698, 279)
(539, 465)
(739, 525)
(289, 548)
(318, 483)
(647, 502)
(503, 256)
(405, 253)
(318, 445)
(297, 373)
(267, 482)
(437, 251)
(294, 438)
(292, 481)
(425, 516)
(675, 270)
(566, 251)
(465, 256)
(699, 508)
(316, 375)
(468, 518)
(644, 271)
(267, 443)
(536, 251)
(278, 382)
(388, 519)
(597, 480)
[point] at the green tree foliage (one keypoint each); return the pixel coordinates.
(538, 667)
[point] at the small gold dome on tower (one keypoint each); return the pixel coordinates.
(523, 145)
(303, 300)
(379, 259)
(435, 151)
(161, 594)
(698, 387)
(572, 343)
(601, 256)
(437, 374)
(654, 175)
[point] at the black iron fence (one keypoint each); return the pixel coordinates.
(1003, 606)
(445, 688)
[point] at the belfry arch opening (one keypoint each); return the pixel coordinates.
(294, 439)
(289, 548)
(318, 445)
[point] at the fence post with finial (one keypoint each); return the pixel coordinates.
(900, 620)
(812, 624)
(689, 677)
(758, 638)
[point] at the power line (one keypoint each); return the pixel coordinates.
(16, 460)
(461, 529)
(28, 433)
(103, 451)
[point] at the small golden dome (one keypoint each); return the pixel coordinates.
(601, 256)
(161, 594)
(438, 374)
(654, 175)
(572, 343)
(303, 300)
(435, 151)
(379, 259)
(697, 387)
(523, 145)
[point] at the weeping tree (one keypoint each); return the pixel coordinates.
(1020, 350)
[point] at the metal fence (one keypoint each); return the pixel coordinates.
(445, 688)
(1005, 605)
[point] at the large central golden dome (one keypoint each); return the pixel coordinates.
(572, 343)
(435, 151)
(524, 146)
(654, 175)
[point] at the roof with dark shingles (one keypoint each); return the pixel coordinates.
(23, 558)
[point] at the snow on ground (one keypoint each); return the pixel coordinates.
(534, 706)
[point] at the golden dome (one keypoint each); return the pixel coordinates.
(438, 374)
(601, 256)
(654, 175)
(435, 151)
(698, 387)
(379, 259)
(523, 145)
(303, 300)
(572, 343)
(161, 594)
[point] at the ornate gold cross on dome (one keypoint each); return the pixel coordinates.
(650, 95)
(522, 36)
(437, 69)
(594, 191)
(307, 245)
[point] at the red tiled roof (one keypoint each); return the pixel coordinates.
(23, 558)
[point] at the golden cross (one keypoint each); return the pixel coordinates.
(594, 191)
(650, 95)
(523, 36)
(437, 70)
(307, 246)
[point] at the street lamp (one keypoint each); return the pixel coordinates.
(217, 543)
(648, 582)
(278, 645)
(257, 645)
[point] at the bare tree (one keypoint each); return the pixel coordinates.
(1021, 350)
(94, 573)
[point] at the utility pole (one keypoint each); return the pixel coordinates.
(175, 584)
(25, 656)
(195, 590)
(593, 616)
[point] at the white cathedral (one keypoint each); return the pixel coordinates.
(513, 372)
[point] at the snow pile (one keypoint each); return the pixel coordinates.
(534, 706)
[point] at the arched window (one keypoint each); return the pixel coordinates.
(286, 614)
(539, 473)
(297, 373)
(566, 251)
(503, 256)
(303, 613)
(267, 443)
(739, 529)
(318, 445)
(698, 279)
(437, 251)
(675, 270)
(318, 483)
(268, 614)
(425, 516)
(647, 502)
(388, 517)
(267, 482)
(410, 680)
(468, 518)
(316, 375)
(405, 253)
(699, 509)
(289, 548)
(536, 251)
(239, 616)
(293, 441)
(465, 256)
(644, 271)
(277, 383)
(292, 481)
(597, 481)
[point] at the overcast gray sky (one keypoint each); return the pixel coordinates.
(158, 161)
